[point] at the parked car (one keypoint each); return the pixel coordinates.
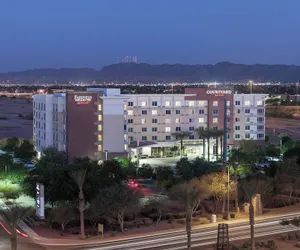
(262, 165)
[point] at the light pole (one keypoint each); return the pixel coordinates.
(251, 86)
(106, 155)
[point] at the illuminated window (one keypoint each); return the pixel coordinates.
(178, 103)
(144, 104)
(247, 103)
(201, 103)
(99, 147)
(177, 120)
(99, 127)
(99, 107)
(201, 120)
(154, 112)
(215, 120)
(259, 103)
(130, 112)
(143, 121)
(99, 118)
(125, 147)
(125, 107)
(168, 103)
(99, 137)
(125, 137)
(228, 103)
(215, 103)
(168, 120)
(168, 129)
(191, 103)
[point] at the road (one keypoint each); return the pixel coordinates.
(205, 236)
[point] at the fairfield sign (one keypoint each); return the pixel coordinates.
(82, 99)
(219, 92)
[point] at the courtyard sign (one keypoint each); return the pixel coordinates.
(82, 99)
(219, 92)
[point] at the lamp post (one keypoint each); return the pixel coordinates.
(106, 155)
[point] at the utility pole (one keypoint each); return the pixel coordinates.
(225, 154)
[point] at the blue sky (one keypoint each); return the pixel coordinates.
(93, 33)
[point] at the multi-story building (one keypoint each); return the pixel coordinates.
(96, 121)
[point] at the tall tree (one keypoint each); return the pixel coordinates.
(206, 134)
(115, 200)
(180, 136)
(11, 145)
(218, 134)
(188, 194)
(202, 133)
(12, 216)
(79, 177)
(184, 169)
(25, 151)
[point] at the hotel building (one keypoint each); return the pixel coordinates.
(101, 123)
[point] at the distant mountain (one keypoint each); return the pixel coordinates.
(131, 72)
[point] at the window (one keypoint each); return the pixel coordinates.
(143, 121)
(260, 127)
(144, 104)
(130, 130)
(260, 136)
(144, 138)
(168, 103)
(168, 112)
(238, 111)
(237, 119)
(247, 127)
(178, 103)
(177, 120)
(201, 103)
(191, 137)
(154, 120)
(192, 111)
(247, 136)
(154, 103)
(201, 120)
(125, 147)
(130, 112)
(260, 111)
(237, 127)
(260, 119)
(259, 103)
(130, 120)
(168, 120)
(215, 112)
(178, 129)
(99, 147)
(215, 120)
(125, 107)
(247, 111)
(154, 129)
(168, 138)
(247, 119)
(247, 103)
(228, 103)
(99, 127)
(154, 138)
(201, 111)
(99, 107)
(191, 103)
(144, 112)
(215, 103)
(168, 129)
(130, 104)
(237, 103)
(144, 129)
(191, 120)
(191, 128)
(237, 136)
(154, 112)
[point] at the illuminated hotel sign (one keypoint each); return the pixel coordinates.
(82, 99)
(219, 92)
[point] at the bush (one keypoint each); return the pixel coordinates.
(204, 221)
(225, 216)
(180, 215)
(153, 217)
(232, 215)
(147, 222)
(181, 221)
(170, 221)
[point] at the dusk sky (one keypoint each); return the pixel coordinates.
(93, 33)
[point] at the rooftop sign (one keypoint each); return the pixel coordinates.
(219, 92)
(82, 99)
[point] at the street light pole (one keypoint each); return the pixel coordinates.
(106, 155)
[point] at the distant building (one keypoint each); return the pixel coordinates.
(127, 59)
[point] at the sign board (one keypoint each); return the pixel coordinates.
(100, 229)
(40, 200)
(82, 99)
(219, 92)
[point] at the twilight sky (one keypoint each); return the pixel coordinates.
(93, 33)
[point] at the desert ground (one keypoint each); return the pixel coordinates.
(14, 118)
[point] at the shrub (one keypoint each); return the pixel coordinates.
(181, 221)
(204, 221)
(180, 215)
(225, 216)
(147, 222)
(153, 217)
(169, 216)
(298, 244)
(232, 215)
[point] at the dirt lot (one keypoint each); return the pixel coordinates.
(11, 124)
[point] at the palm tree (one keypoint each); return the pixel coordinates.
(180, 136)
(79, 176)
(206, 134)
(12, 216)
(202, 133)
(218, 134)
(250, 188)
(189, 194)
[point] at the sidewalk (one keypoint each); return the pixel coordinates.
(97, 240)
